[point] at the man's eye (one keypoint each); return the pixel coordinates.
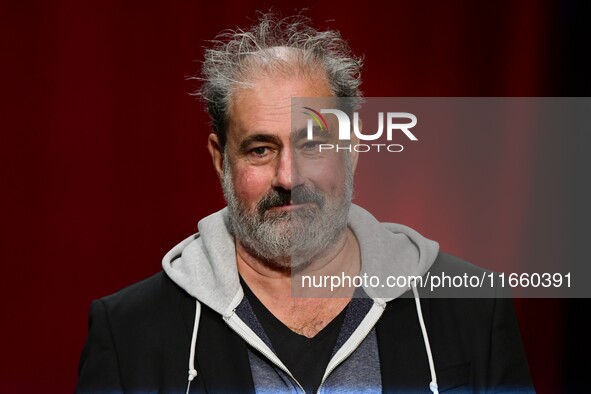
(310, 145)
(260, 151)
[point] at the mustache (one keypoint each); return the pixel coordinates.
(299, 195)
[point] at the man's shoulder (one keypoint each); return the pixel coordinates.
(157, 292)
(145, 288)
(139, 337)
(450, 276)
(452, 264)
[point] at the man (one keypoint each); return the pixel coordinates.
(226, 315)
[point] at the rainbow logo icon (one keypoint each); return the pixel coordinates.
(318, 118)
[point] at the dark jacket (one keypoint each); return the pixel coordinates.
(139, 340)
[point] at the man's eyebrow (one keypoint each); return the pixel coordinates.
(299, 134)
(245, 144)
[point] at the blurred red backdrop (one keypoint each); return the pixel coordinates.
(105, 167)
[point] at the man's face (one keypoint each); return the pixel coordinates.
(287, 201)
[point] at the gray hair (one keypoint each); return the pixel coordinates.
(235, 54)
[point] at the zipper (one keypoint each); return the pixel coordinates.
(251, 338)
(353, 346)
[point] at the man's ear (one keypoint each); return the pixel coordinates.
(217, 154)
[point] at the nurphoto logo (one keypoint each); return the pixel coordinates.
(393, 124)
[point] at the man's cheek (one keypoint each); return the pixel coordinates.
(322, 171)
(250, 187)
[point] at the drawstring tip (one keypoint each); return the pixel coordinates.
(192, 374)
(433, 387)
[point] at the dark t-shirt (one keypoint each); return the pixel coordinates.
(306, 358)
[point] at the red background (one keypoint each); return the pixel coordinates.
(105, 167)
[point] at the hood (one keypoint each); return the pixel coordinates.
(390, 249)
(204, 265)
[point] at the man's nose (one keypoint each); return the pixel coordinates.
(286, 172)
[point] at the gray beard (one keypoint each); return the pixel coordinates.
(289, 240)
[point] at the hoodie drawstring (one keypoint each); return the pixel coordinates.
(433, 385)
(192, 370)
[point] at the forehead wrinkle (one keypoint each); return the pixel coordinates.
(260, 109)
(278, 107)
(293, 70)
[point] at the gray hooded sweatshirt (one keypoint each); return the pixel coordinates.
(207, 270)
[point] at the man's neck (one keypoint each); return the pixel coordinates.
(297, 307)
